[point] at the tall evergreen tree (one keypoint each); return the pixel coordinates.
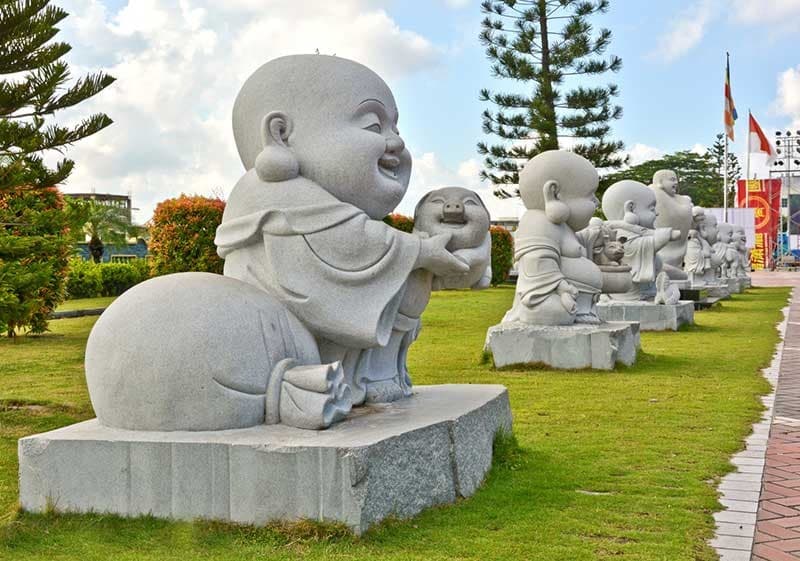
(717, 151)
(34, 245)
(545, 43)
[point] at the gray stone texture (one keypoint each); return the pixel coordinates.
(577, 346)
(651, 317)
(387, 459)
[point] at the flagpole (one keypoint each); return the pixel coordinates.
(725, 183)
(747, 166)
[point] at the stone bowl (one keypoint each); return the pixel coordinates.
(616, 279)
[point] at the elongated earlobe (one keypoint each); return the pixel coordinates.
(556, 211)
(276, 162)
(630, 216)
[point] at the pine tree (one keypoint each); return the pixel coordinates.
(546, 42)
(34, 243)
(717, 151)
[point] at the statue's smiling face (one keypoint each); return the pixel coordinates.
(455, 211)
(669, 183)
(351, 147)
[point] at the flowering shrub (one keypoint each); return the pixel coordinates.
(502, 253)
(400, 221)
(34, 251)
(182, 234)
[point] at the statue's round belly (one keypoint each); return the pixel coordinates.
(583, 273)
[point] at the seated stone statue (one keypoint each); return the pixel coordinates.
(631, 209)
(674, 211)
(698, 251)
(727, 248)
(557, 284)
(710, 233)
(305, 222)
(740, 238)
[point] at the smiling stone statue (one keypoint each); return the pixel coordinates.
(305, 221)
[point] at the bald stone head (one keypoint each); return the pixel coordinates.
(562, 184)
(631, 201)
(667, 181)
(336, 117)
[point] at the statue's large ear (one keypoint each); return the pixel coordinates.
(276, 162)
(556, 210)
(630, 216)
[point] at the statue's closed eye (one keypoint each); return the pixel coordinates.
(374, 127)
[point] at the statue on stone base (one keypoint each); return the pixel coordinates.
(631, 209)
(740, 238)
(320, 299)
(674, 211)
(727, 248)
(557, 284)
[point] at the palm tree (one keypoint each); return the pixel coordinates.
(103, 224)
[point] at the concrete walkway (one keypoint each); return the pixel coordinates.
(762, 497)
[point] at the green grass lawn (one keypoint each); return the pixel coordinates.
(85, 303)
(610, 465)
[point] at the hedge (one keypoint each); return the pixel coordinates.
(88, 279)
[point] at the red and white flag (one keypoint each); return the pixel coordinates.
(758, 142)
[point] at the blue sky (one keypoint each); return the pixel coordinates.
(179, 64)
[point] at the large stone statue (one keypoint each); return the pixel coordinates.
(557, 284)
(698, 251)
(553, 319)
(740, 237)
(304, 223)
(206, 386)
(631, 210)
(675, 212)
(727, 248)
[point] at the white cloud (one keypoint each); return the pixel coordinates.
(774, 11)
(685, 31)
(458, 4)
(179, 65)
(640, 153)
(699, 149)
(788, 100)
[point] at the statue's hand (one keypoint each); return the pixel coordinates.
(568, 293)
(434, 257)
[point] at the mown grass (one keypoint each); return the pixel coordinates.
(605, 465)
(85, 303)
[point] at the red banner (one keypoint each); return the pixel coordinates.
(763, 195)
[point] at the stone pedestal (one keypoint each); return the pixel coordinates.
(734, 285)
(388, 459)
(719, 290)
(651, 317)
(599, 347)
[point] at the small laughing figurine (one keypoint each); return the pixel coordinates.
(325, 163)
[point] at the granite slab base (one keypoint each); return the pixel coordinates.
(651, 317)
(392, 459)
(598, 347)
(719, 290)
(736, 285)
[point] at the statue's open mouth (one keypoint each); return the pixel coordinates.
(388, 164)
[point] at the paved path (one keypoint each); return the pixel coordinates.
(762, 497)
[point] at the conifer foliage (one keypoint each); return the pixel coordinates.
(35, 84)
(540, 45)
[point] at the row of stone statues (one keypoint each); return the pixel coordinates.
(577, 270)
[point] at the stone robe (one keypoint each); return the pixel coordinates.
(341, 273)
